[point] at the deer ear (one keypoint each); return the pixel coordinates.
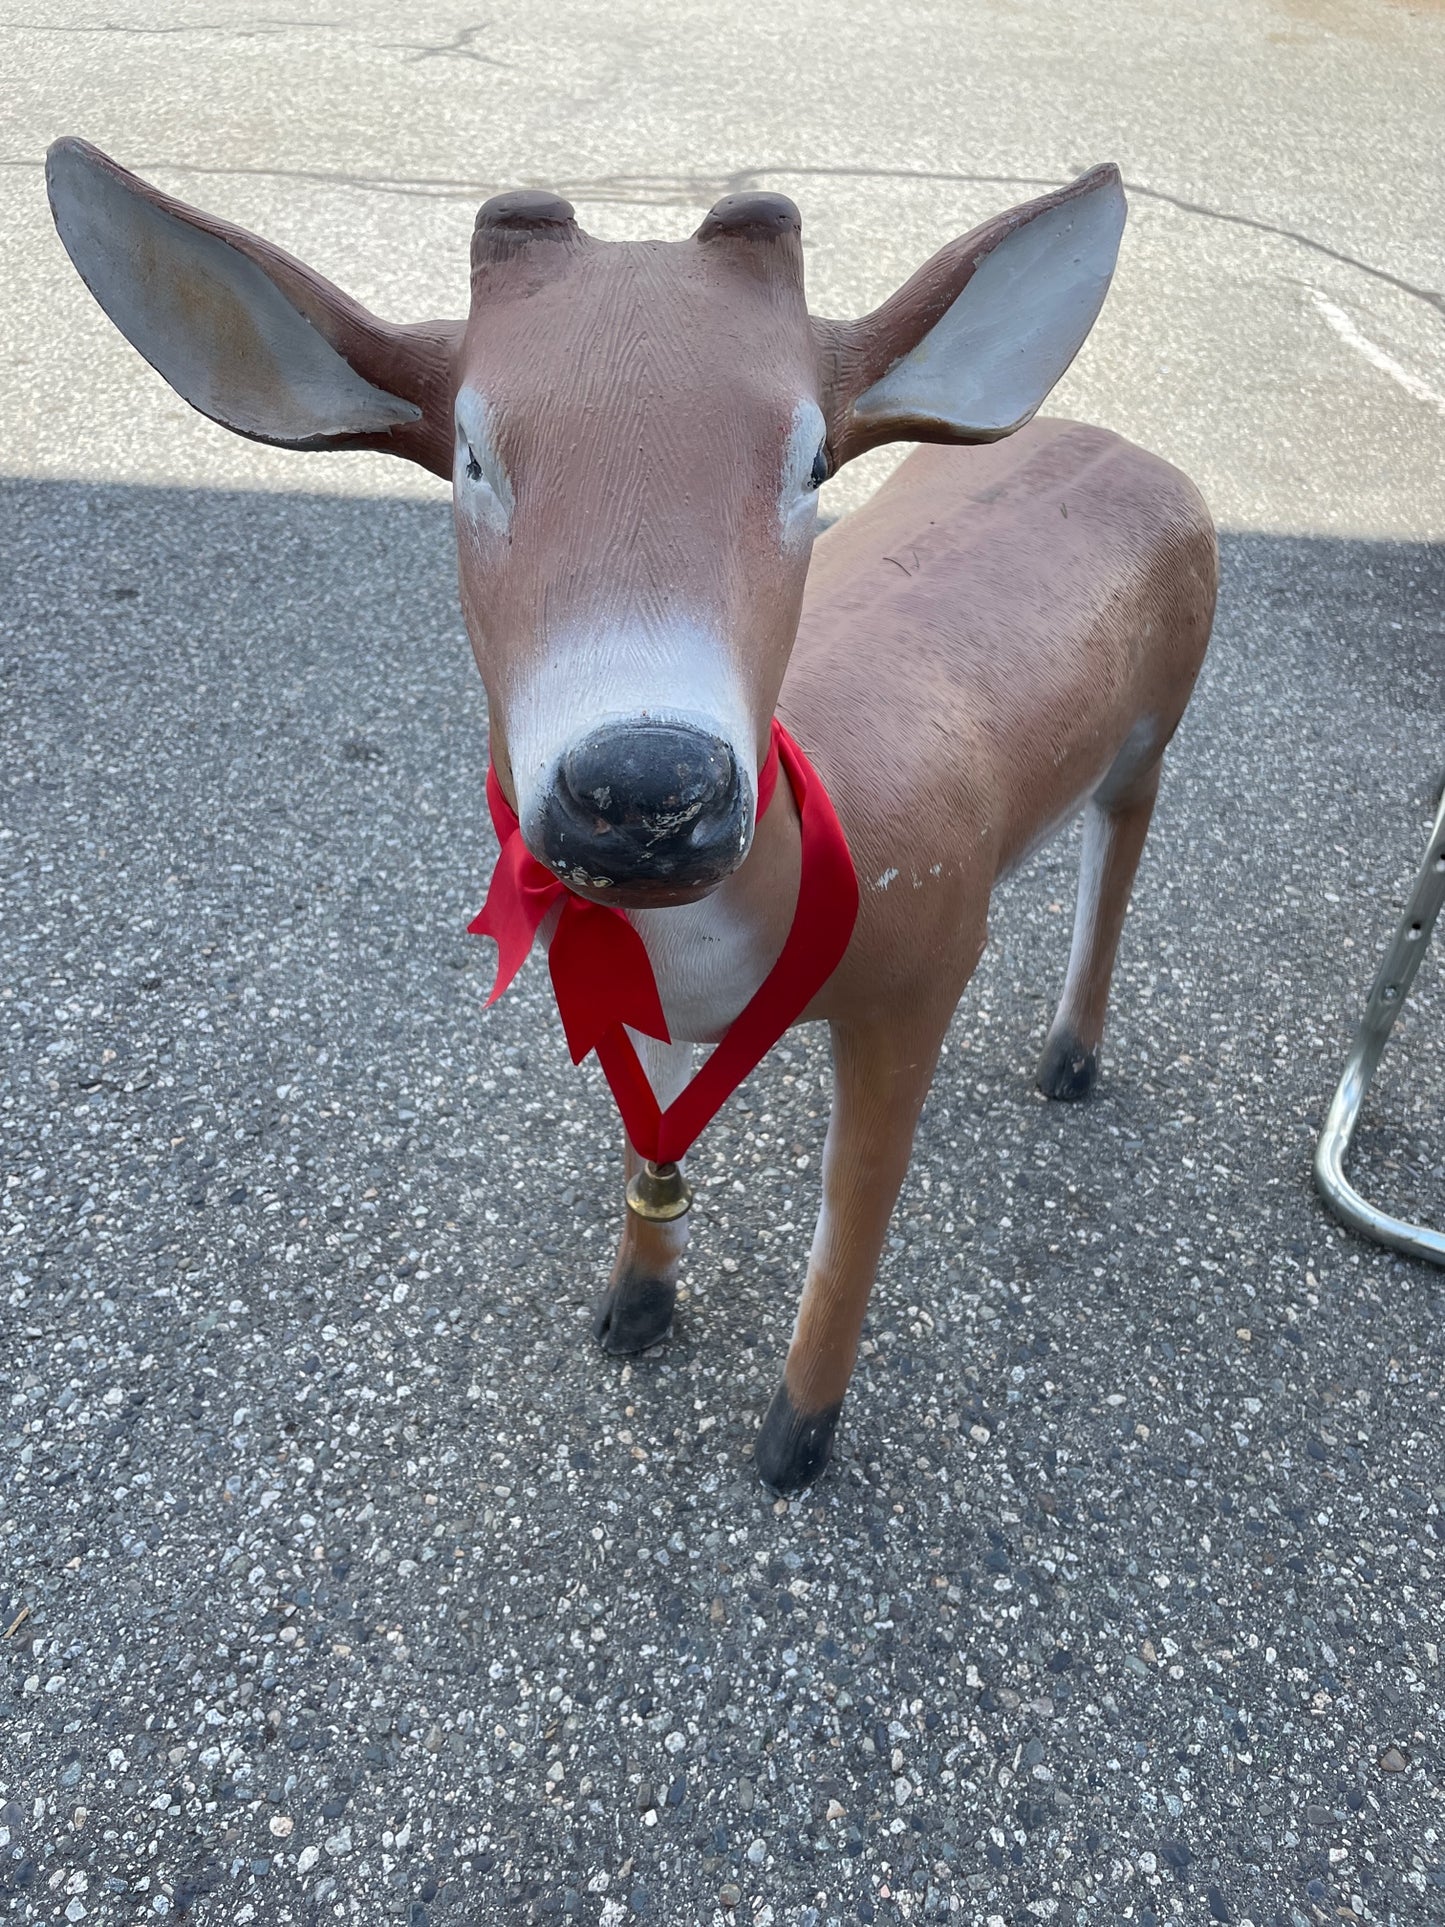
(969, 347)
(242, 331)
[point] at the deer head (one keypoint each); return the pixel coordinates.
(635, 434)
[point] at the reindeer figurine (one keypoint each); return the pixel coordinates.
(636, 434)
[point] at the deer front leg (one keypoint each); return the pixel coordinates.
(636, 1309)
(1114, 833)
(881, 1076)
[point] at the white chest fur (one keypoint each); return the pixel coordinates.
(707, 960)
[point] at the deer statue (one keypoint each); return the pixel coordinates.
(742, 779)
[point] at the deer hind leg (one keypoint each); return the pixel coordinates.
(1116, 821)
(881, 1077)
(635, 1311)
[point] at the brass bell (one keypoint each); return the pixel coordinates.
(659, 1193)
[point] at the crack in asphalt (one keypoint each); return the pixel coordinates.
(460, 44)
(688, 190)
(205, 26)
(751, 177)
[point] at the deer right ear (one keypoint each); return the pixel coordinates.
(969, 347)
(242, 331)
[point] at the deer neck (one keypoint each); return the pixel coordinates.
(710, 957)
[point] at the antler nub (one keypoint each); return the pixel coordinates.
(754, 216)
(509, 226)
(525, 207)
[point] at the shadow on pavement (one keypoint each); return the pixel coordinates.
(342, 1572)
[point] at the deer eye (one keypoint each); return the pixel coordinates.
(483, 488)
(820, 471)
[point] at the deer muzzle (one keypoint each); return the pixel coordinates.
(653, 811)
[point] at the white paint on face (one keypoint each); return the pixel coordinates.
(888, 876)
(483, 489)
(798, 499)
(677, 672)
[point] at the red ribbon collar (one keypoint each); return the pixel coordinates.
(603, 979)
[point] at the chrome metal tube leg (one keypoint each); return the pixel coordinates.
(1385, 1002)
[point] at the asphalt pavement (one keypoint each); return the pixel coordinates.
(341, 1578)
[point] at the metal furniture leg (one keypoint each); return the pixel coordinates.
(1386, 1000)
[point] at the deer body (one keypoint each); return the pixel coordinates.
(635, 433)
(989, 732)
(927, 785)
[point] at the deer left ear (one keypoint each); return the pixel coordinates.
(969, 347)
(245, 333)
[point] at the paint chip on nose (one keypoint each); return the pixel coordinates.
(669, 822)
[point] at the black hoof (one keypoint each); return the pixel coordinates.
(634, 1315)
(1066, 1070)
(793, 1447)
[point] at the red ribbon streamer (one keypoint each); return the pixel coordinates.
(603, 979)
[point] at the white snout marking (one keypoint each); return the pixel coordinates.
(798, 500)
(482, 486)
(677, 672)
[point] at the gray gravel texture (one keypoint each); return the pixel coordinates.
(341, 1579)
(360, 1586)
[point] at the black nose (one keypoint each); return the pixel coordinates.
(645, 805)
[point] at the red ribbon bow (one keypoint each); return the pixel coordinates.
(603, 979)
